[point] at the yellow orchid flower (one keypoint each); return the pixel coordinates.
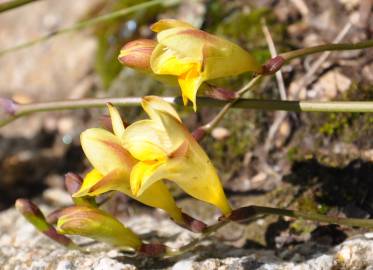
(187, 54)
(112, 165)
(195, 56)
(166, 150)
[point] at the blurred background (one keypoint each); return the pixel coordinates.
(311, 161)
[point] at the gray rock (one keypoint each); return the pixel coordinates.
(22, 247)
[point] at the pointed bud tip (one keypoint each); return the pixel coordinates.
(27, 207)
(193, 224)
(152, 250)
(136, 54)
(8, 106)
(73, 182)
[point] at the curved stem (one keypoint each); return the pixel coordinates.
(209, 126)
(251, 211)
(14, 4)
(90, 22)
(326, 47)
(21, 110)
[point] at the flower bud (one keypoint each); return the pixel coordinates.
(97, 224)
(136, 54)
(33, 215)
(73, 183)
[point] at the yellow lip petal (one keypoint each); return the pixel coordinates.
(167, 24)
(91, 178)
(189, 83)
(116, 121)
(104, 150)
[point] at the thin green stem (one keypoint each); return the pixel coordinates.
(14, 4)
(91, 22)
(209, 126)
(188, 247)
(327, 47)
(254, 210)
(255, 104)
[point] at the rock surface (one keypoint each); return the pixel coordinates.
(22, 247)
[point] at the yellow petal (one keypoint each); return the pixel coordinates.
(156, 195)
(189, 83)
(197, 179)
(146, 140)
(185, 43)
(104, 150)
(116, 121)
(165, 61)
(91, 178)
(151, 104)
(225, 58)
(167, 24)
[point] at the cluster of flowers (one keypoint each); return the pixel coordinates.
(135, 160)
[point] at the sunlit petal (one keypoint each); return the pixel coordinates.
(152, 104)
(104, 150)
(146, 140)
(167, 24)
(116, 121)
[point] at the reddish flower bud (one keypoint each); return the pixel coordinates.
(136, 54)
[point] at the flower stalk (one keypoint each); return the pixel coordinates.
(91, 22)
(9, 5)
(22, 110)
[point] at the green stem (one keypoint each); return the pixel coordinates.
(270, 105)
(14, 4)
(326, 47)
(209, 126)
(352, 222)
(253, 212)
(91, 22)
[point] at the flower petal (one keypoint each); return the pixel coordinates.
(189, 83)
(165, 61)
(151, 104)
(116, 121)
(157, 195)
(167, 24)
(225, 58)
(89, 180)
(146, 140)
(104, 150)
(197, 178)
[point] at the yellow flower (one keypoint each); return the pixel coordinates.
(166, 150)
(112, 166)
(195, 56)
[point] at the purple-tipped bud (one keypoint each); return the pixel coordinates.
(152, 250)
(33, 215)
(136, 54)
(220, 93)
(198, 134)
(8, 106)
(193, 224)
(73, 182)
(97, 224)
(273, 65)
